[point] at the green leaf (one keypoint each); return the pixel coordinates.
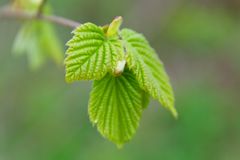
(38, 40)
(115, 106)
(51, 44)
(145, 99)
(28, 5)
(148, 69)
(91, 54)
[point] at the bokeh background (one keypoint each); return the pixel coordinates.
(43, 118)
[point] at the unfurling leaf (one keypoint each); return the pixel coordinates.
(28, 5)
(91, 54)
(38, 40)
(115, 106)
(148, 69)
(114, 27)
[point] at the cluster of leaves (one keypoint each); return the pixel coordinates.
(126, 71)
(36, 38)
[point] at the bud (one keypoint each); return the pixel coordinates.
(114, 26)
(120, 67)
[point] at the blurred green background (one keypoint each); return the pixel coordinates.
(43, 118)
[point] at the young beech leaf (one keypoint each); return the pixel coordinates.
(148, 69)
(91, 54)
(30, 6)
(126, 72)
(38, 40)
(116, 105)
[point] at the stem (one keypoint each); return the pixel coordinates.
(40, 8)
(9, 13)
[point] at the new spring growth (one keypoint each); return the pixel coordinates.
(113, 30)
(120, 67)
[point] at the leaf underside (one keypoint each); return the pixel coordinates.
(91, 54)
(148, 69)
(116, 106)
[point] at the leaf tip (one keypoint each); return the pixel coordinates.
(120, 145)
(68, 80)
(174, 112)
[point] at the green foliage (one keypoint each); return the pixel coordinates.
(148, 69)
(119, 95)
(115, 106)
(28, 5)
(38, 40)
(145, 99)
(91, 54)
(125, 68)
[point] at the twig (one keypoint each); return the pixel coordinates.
(8, 13)
(41, 7)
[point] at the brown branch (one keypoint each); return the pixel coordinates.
(8, 13)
